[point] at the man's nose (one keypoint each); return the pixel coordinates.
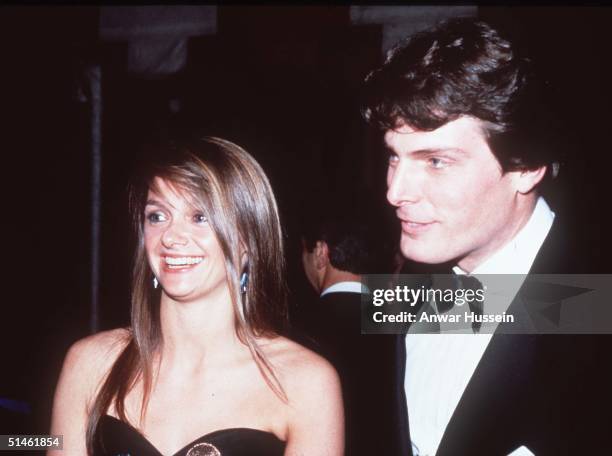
(404, 184)
(174, 235)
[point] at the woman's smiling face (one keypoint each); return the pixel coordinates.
(182, 248)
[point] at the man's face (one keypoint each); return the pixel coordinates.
(451, 196)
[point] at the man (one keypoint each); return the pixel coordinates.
(336, 252)
(470, 144)
(334, 255)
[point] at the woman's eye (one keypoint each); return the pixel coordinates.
(200, 218)
(156, 217)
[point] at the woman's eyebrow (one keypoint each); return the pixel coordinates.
(154, 202)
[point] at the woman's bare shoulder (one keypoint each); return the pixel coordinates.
(99, 346)
(314, 398)
(303, 371)
(95, 354)
(85, 366)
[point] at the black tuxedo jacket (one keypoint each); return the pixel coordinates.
(550, 393)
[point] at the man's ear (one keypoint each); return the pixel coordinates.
(321, 252)
(525, 181)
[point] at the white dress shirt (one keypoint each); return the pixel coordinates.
(439, 366)
(345, 287)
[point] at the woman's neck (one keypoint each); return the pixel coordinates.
(199, 333)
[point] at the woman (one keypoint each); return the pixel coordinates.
(202, 371)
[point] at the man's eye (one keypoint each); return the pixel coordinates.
(156, 217)
(437, 163)
(393, 158)
(200, 218)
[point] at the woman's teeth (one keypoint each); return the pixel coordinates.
(182, 261)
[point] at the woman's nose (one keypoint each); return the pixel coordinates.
(173, 236)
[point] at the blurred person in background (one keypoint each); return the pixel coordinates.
(337, 250)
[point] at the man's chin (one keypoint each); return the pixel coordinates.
(423, 254)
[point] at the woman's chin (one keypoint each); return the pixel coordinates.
(180, 293)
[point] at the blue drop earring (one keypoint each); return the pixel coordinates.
(244, 281)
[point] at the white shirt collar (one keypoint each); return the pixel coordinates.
(517, 256)
(348, 286)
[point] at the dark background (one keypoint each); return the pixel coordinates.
(281, 82)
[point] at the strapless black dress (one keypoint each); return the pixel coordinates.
(116, 438)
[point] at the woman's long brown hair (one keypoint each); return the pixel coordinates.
(230, 187)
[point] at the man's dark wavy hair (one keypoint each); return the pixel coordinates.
(465, 67)
(348, 241)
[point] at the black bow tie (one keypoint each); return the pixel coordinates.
(466, 282)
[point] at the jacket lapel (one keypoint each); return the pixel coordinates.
(483, 420)
(401, 418)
